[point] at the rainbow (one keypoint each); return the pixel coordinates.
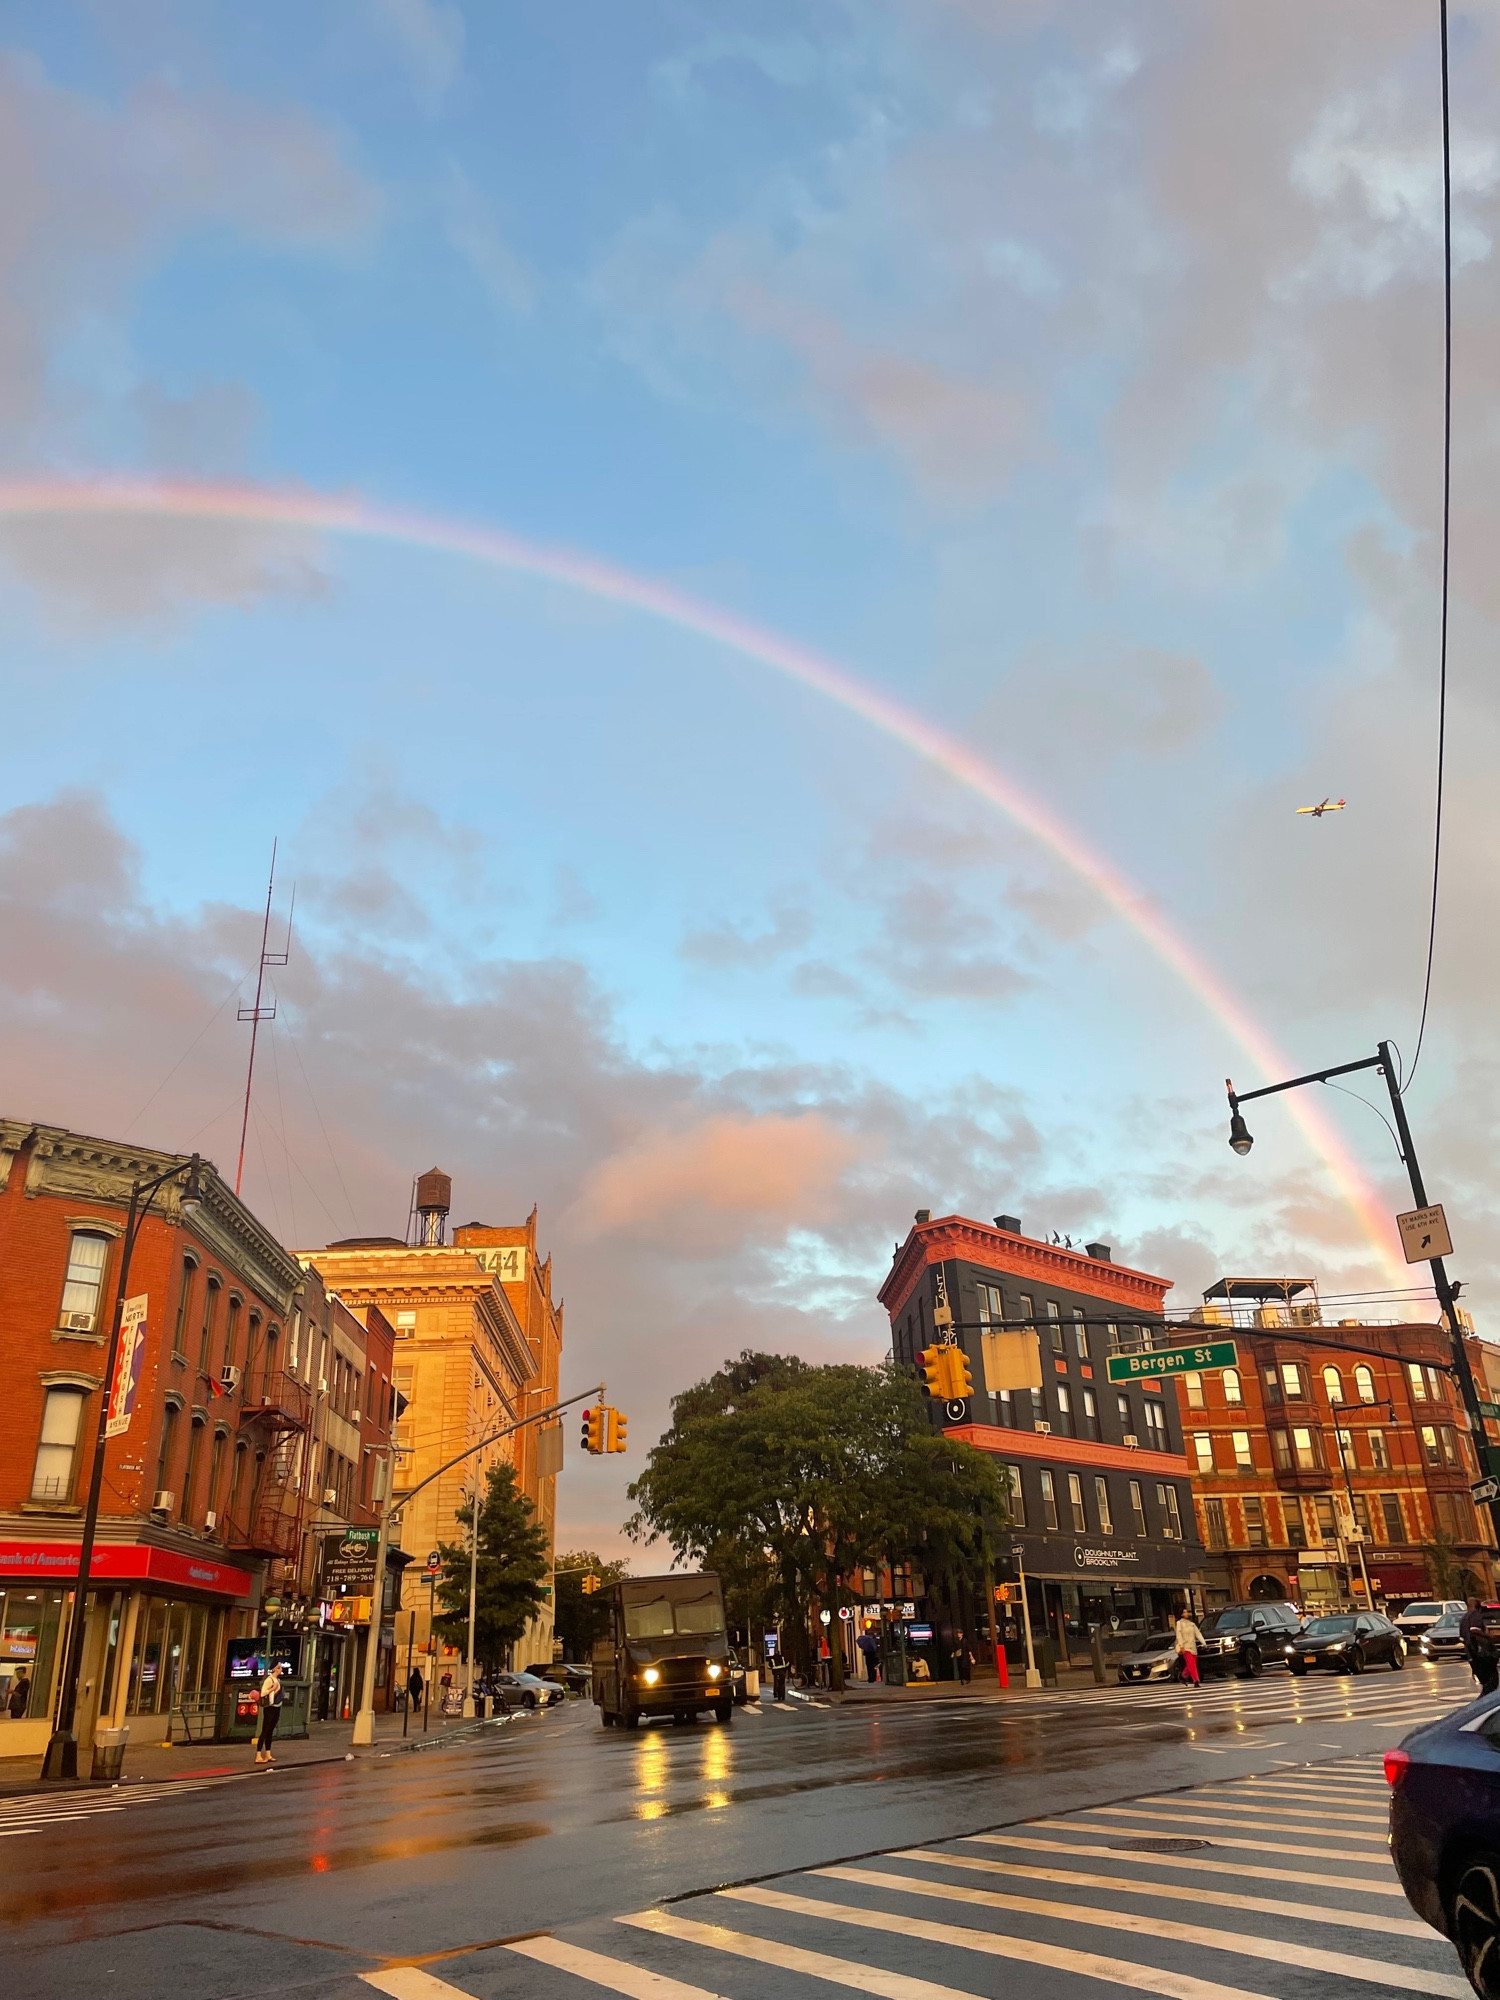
(291, 507)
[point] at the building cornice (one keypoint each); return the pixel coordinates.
(1017, 1257)
(1002, 1443)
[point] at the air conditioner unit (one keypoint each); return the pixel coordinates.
(322, 1385)
(164, 1502)
(230, 1377)
(1044, 1427)
(330, 1495)
(80, 1322)
(210, 1521)
(1309, 1315)
(1132, 1440)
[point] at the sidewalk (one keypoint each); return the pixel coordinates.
(146, 1758)
(983, 1687)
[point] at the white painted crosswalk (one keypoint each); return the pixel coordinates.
(1156, 1895)
(34, 1812)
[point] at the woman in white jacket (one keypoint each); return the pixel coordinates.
(1188, 1639)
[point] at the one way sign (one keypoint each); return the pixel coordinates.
(1424, 1235)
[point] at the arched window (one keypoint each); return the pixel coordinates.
(205, 1337)
(190, 1470)
(273, 1360)
(164, 1456)
(1333, 1382)
(184, 1306)
(1233, 1393)
(87, 1255)
(1364, 1384)
(212, 1501)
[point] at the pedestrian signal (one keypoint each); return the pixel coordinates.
(593, 1431)
(614, 1430)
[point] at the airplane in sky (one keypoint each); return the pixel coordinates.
(1327, 806)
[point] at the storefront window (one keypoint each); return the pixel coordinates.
(30, 1621)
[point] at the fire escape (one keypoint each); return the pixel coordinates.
(276, 1427)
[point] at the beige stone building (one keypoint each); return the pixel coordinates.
(477, 1346)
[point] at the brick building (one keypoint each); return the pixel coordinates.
(1328, 1441)
(1102, 1503)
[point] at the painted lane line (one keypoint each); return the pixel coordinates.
(1376, 1971)
(410, 1982)
(1187, 1863)
(1220, 1840)
(615, 1973)
(1218, 1800)
(1198, 1816)
(1312, 1913)
(1082, 1964)
(864, 1978)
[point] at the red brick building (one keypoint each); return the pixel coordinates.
(1330, 1441)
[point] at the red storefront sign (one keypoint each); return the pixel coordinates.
(120, 1562)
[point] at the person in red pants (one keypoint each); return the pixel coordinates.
(1188, 1639)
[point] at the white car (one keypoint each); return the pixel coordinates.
(534, 1692)
(1416, 1618)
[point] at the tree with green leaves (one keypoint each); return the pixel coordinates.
(1451, 1575)
(579, 1616)
(513, 1561)
(787, 1479)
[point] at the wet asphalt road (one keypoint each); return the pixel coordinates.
(299, 1880)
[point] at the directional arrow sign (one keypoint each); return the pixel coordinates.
(1173, 1361)
(1424, 1234)
(1485, 1490)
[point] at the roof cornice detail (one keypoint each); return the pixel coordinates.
(1018, 1257)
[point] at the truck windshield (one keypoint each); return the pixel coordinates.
(662, 1617)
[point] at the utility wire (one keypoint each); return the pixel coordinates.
(1437, 827)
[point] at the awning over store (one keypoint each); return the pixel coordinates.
(1399, 1579)
(121, 1562)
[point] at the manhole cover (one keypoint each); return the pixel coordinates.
(1164, 1846)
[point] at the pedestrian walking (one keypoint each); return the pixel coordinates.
(963, 1659)
(270, 1711)
(1188, 1639)
(1479, 1648)
(414, 1687)
(20, 1696)
(869, 1645)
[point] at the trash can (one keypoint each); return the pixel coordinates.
(109, 1754)
(482, 1706)
(1046, 1659)
(752, 1684)
(778, 1681)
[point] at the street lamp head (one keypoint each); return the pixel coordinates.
(191, 1198)
(1240, 1137)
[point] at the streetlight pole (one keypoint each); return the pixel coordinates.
(1338, 1435)
(1033, 1678)
(473, 1590)
(61, 1760)
(1241, 1141)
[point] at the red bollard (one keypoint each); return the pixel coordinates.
(1003, 1666)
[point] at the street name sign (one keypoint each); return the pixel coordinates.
(1489, 1409)
(1424, 1234)
(1173, 1361)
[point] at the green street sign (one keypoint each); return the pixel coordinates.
(1173, 1361)
(1489, 1410)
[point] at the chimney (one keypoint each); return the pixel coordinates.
(1011, 1224)
(924, 1215)
(434, 1197)
(1098, 1251)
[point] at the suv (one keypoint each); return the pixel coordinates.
(1415, 1619)
(1242, 1637)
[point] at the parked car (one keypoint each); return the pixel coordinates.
(1155, 1659)
(534, 1691)
(1445, 1832)
(1240, 1638)
(1415, 1619)
(1346, 1643)
(1441, 1641)
(570, 1678)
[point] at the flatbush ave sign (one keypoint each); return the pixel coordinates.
(1173, 1361)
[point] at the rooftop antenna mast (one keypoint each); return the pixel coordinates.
(256, 1014)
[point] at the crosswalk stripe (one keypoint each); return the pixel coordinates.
(411, 1982)
(863, 1977)
(1223, 1801)
(1324, 1853)
(1280, 1951)
(1191, 1863)
(1191, 1813)
(1082, 1964)
(1312, 1913)
(618, 1974)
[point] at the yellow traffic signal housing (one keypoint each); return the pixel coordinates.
(614, 1430)
(590, 1584)
(593, 1431)
(960, 1376)
(933, 1362)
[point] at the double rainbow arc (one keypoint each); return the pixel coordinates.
(267, 506)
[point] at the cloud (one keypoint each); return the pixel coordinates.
(430, 35)
(727, 947)
(472, 227)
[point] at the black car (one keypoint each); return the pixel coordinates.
(1241, 1638)
(1445, 1832)
(1347, 1643)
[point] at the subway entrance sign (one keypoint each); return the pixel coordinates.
(1173, 1361)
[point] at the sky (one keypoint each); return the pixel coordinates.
(1036, 410)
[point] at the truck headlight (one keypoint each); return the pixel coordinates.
(651, 1676)
(714, 1671)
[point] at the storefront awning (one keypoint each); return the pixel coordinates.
(121, 1562)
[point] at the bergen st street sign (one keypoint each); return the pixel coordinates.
(1173, 1361)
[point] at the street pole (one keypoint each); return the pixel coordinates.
(61, 1760)
(1338, 1434)
(431, 1649)
(411, 1646)
(473, 1587)
(1033, 1678)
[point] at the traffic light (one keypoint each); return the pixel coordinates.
(593, 1431)
(960, 1376)
(614, 1429)
(933, 1362)
(590, 1584)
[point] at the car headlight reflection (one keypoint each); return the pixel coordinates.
(651, 1676)
(714, 1671)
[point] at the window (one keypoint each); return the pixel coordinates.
(1307, 1450)
(1122, 1410)
(1203, 1450)
(1361, 1508)
(1450, 1447)
(87, 1255)
(206, 1332)
(1194, 1386)
(1418, 1382)
(190, 1471)
(232, 1329)
(1215, 1533)
(1242, 1459)
(184, 1306)
(1364, 1384)
(1156, 1425)
(164, 1456)
(1234, 1395)
(1390, 1514)
(1137, 1507)
(1090, 1415)
(990, 1307)
(1333, 1385)
(1064, 1409)
(1171, 1517)
(1025, 1307)
(1328, 1526)
(1055, 1326)
(1454, 1515)
(1291, 1511)
(1112, 1338)
(1281, 1451)
(1273, 1388)
(1380, 1456)
(1075, 1504)
(237, 1485)
(1101, 1502)
(1017, 1497)
(1294, 1381)
(1049, 1500)
(1255, 1521)
(1430, 1448)
(211, 1502)
(1346, 1451)
(57, 1447)
(1080, 1335)
(268, 1373)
